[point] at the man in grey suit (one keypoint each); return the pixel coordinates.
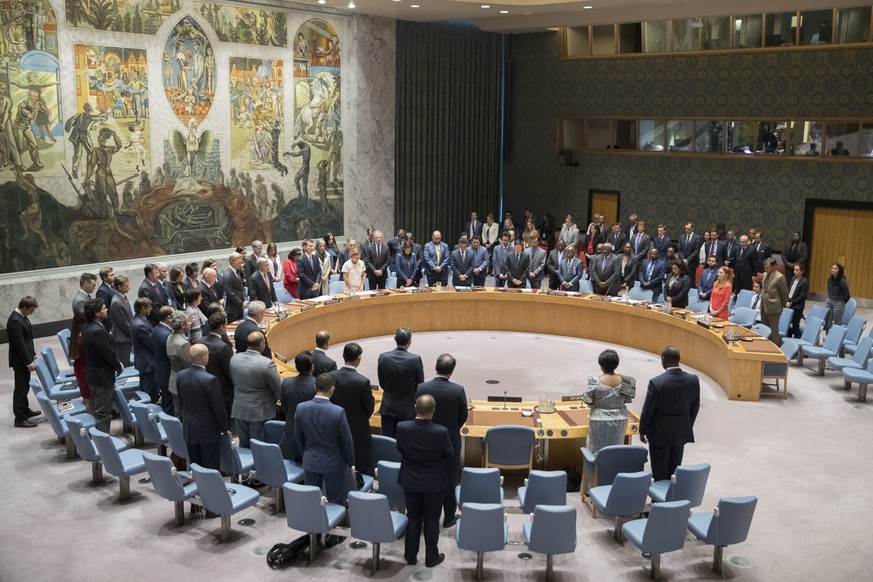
(480, 261)
(87, 285)
(400, 372)
(220, 354)
(256, 390)
(121, 316)
(321, 362)
(251, 262)
(462, 266)
(552, 263)
(537, 266)
(517, 266)
(498, 260)
(205, 419)
(605, 272)
(234, 289)
(569, 271)
(354, 394)
(296, 390)
(641, 242)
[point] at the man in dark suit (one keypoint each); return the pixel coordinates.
(762, 250)
(480, 261)
(796, 253)
(251, 262)
(436, 260)
(151, 288)
(537, 267)
(714, 247)
(160, 333)
(22, 355)
(707, 278)
(355, 395)
(220, 353)
(425, 448)
(616, 238)
(377, 258)
(499, 254)
(400, 372)
(553, 263)
(641, 242)
(261, 284)
(234, 289)
(451, 412)
(652, 274)
(204, 420)
(669, 412)
(309, 271)
(325, 439)
(473, 227)
(296, 390)
(517, 266)
(87, 284)
(209, 289)
(106, 292)
(605, 272)
(689, 246)
(321, 362)
(102, 363)
(395, 244)
(462, 265)
(143, 351)
(257, 311)
(745, 266)
(661, 240)
(121, 316)
(730, 249)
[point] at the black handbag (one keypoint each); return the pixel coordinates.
(281, 554)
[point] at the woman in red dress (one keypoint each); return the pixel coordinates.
(292, 279)
(722, 289)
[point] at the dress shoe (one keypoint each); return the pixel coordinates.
(449, 521)
(24, 423)
(410, 561)
(32, 413)
(440, 559)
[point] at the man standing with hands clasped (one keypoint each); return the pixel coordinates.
(667, 420)
(774, 296)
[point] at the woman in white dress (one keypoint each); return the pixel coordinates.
(325, 260)
(353, 273)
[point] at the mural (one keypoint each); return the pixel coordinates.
(257, 114)
(244, 25)
(189, 71)
(136, 16)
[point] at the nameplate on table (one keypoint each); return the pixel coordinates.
(702, 323)
(571, 398)
(421, 290)
(280, 357)
(305, 307)
(463, 289)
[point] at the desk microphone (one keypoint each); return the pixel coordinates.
(504, 400)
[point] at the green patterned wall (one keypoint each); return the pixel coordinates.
(673, 188)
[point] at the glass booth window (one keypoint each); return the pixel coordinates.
(603, 39)
(741, 137)
(780, 29)
(657, 40)
(748, 31)
(708, 137)
(599, 134)
(577, 42)
(817, 27)
(686, 34)
(573, 134)
(716, 33)
(652, 135)
(630, 38)
(853, 25)
(625, 134)
(680, 136)
(866, 140)
(841, 139)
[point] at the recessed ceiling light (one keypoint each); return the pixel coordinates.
(351, 4)
(414, 6)
(322, 1)
(587, 7)
(504, 12)
(528, 13)
(485, 6)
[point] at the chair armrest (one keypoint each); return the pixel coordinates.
(587, 455)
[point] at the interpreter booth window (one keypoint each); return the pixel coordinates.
(680, 136)
(806, 138)
(652, 134)
(770, 136)
(625, 134)
(656, 36)
(866, 140)
(573, 134)
(817, 27)
(715, 33)
(603, 39)
(708, 137)
(741, 137)
(853, 25)
(630, 38)
(599, 134)
(842, 139)
(686, 34)
(748, 31)
(780, 29)
(578, 43)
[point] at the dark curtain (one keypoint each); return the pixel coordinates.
(448, 127)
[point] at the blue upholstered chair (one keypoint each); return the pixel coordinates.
(336, 287)
(854, 329)
(601, 469)
(479, 486)
(625, 498)
(64, 339)
(688, 483)
(727, 525)
(235, 461)
(850, 349)
(481, 528)
(862, 377)
(273, 470)
(66, 407)
(372, 520)
(543, 488)
(56, 391)
(383, 448)
(121, 464)
(165, 480)
(858, 360)
(312, 513)
(663, 531)
(698, 306)
(282, 294)
(809, 336)
(785, 321)
(849, 311)
(220, 497)
(175, 435)
(275, 430)
(818, 312)
(336, 277)
(58, 421)
(128, 420)
(744, 316)
(151, 430)
(761, 329)
(48, 355)
(351, 483)
(78, 432)
(585, 286)
(552, 530)
(387, 473)
(744, 299)
(830, 348)
(640, 294)
(509, 447)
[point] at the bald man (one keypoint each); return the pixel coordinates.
(204, 419)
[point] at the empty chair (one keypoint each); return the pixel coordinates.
(351, 483)
(688, 483)
(543, 488)
(779, 370)
(858, 360)
(85, 446)
(819, 312)
(640, 294)
(235, 461)
(312, 513)
(626, 497)
(121, 464)
(387, 473)
(785, 321)
(273, 470)
(336, 277)
(221, 498)
(663, 531)
(509, 447)
(55, 391)
(275, 430)
(175, 435)
(372, 520)
(59, 377)
(809, 337)
(479, 486)
(601, 469)
(59, 422)
(728, 524)
(849, 311)
(336, 287)
(744, 298)
(128, 420)
(151, 430)
(66, 407)
(552, 530)
(744, 316)
(698, 306)
(761, 329)
(383, 448)
(167, 484)
(854, 329)
(64, 339)
(850, 349)
(282, 294)
(585, 286)
(830, 347)
(862, 377)
(481, 529)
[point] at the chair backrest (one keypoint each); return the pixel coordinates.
(834, 338)
(863, 351)
(383, 448)
(388, 473)
(175, 434)
(163, 477)
(666, 527)
(785, 321)
(688, 483)
(698, 306)
(50, 412)
(481, 528)
(45, 377)
(213, 490)
(147, 422)
(629, 493)
(123, 407)
(744, 316)
(789, 347)
(812, 329)
(335, 277)
(761, 329)
(370, 517)
(585, 286)
(849, 311)
(545, 488)
(282, 294)
(64, 339)
(335, 287)
(730, 525)
(275, 430)
(553, 530)
(82, 439)
(48, 355)
(480, 486)
(819, 311)
(744, 298)
(640, 294)
(108, 454)
(610, 461)
(854, 328)
(309, 515)
(269, 463)
(509, 445)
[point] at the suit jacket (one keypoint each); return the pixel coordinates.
(179, 354)
(480, 261)
(617, 241)
(405, 267)
(678, 291)
(141, 338)
(20, 333)
(235, 295)
(451, 403)
(220, 354)
(691, 250)
(796, 254)
(498, 258)
(670, 409)
(400, 372)
(425, 448)
(746, 265)
(729, 252)
(628, 270)
(323, 434)
(640, 245)
(569, 273)
(250, 265)
(241, 337)
(260, 290)
(256, 386)
(122, 317)
(570, 235)
(517, 268)
(763, 251)
(537, 265)
(707, 280)
(321, 362)
(605, 269)
(661, 243)
(374, 260)
(774, 293)
(714, 248)
(294, 391)
(552, 261)
(106, 293)
(79, 300)
(160, 334)
(430, 257)
(155, 292)
(652, 278)
(490, 232)
(354, 395)
(101, 361)
(472, 229)
(210, 295)
(204, 419)
(798, 299)
(462, 267)
(309, 272)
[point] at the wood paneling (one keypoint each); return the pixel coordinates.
(605, 203)
(842, 235)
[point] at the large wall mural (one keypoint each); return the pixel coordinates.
(257, 113)
(189, 71)
(246, 26)
(135, 16)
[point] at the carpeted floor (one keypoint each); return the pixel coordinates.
(806, 458)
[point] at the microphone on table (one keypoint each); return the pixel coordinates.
(504, 400)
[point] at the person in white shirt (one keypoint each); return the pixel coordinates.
(353, 273)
